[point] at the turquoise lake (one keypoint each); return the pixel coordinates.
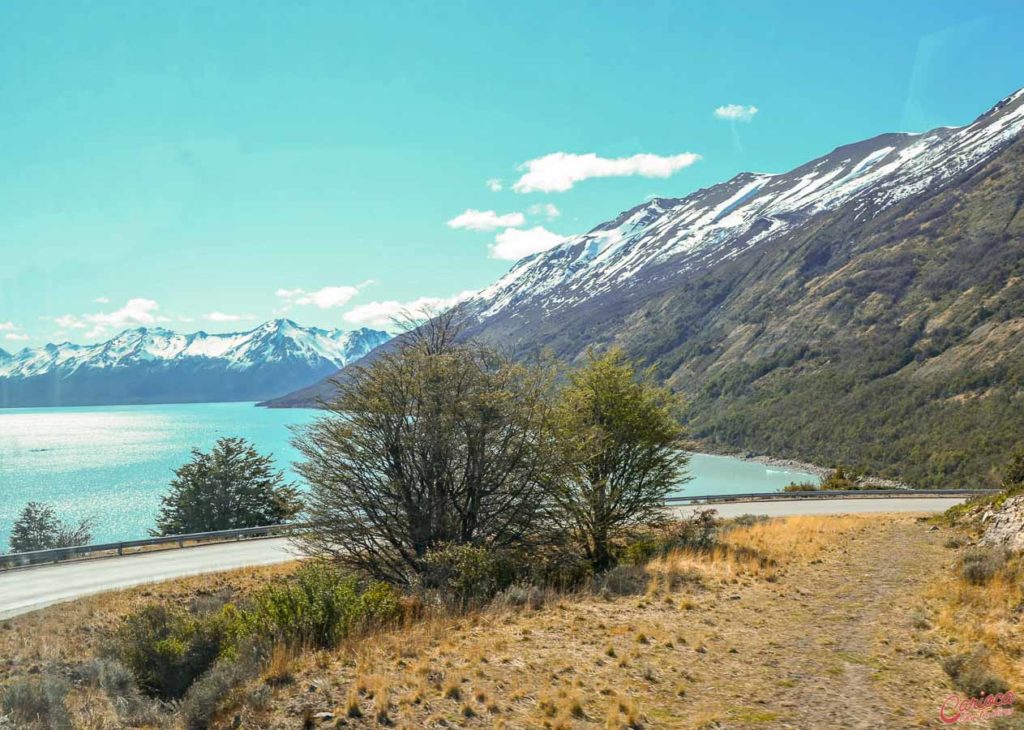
(112, 464)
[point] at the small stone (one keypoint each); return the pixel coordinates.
(323, 716)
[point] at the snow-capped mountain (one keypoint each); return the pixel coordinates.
(865, 308)
(156, 365)
(667, 237)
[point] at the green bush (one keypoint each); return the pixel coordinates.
(318, 606)
(561, 568)
(641, 550)
(698, 532)
(167, 649)
(38, 702)
(466, 575)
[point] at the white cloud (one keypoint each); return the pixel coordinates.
(549, 210)
(289, 293)
(326, 298)
(137, 311)
(494, 185)
(559, 171)
(736, 112)
(222, 317)
(13, 332)
(102, 300)
(486, 220)
(384, 314)
(513, 244)
(69, 322)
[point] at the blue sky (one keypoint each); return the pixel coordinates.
(212, 165)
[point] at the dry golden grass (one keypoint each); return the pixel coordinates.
(581, 661)
(762, 550)
(716, 636)
(987, 615)
(70, 632)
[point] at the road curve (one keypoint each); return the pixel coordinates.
(27, 589)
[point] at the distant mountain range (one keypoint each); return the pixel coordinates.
(866, 307)
(155, 365)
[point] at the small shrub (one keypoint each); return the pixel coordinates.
(318, 606)
(560, 568)
(698, 532)
(981, 565)
(622, 580)
(640, 551)
(118, 683)
(954, 542)
(521, 596)
(167, 649)
(971, 674)
(211, 692)
(466, 575)
(37, 528)
(38, 702)
(748, 520)
(801, 487)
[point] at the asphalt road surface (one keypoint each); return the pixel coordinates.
(26, 589)
(856, 505)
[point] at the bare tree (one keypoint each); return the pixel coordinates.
(437, 441)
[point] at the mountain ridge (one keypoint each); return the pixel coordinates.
(856, 281)
(155, 364)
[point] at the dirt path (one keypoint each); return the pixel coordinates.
(830, 644)
(834, 644)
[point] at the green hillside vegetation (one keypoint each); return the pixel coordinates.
(893, 345)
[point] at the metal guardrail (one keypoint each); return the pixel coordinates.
(57, 554)
(829, 494)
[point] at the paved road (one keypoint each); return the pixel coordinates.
(27, 589)
(859, 505)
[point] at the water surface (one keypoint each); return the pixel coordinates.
(111, 464)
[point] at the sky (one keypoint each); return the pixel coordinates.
(209, 166)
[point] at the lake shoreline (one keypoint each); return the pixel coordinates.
(821, 472)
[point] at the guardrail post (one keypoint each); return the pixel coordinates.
(120, 548)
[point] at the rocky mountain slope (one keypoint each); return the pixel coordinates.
(155, 365)
(866, 307)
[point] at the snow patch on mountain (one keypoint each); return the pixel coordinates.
(275, 341)
(723, 221)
